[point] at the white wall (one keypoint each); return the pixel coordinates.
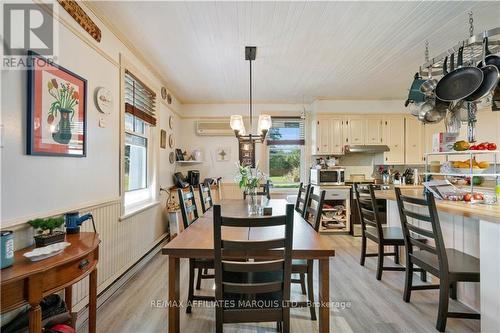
(359, 106)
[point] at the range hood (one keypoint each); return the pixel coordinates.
(371, 149)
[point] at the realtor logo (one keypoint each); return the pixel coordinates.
(27, 27)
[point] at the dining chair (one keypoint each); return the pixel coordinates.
(313, 209)
(373, 229)
(265, 190)
(254, 290)
(189, 213)
(205, 197)
(449, 265)
(302, 196)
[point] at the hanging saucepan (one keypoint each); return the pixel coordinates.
(490, 79)
(437, 113)
(429, 85)
(414, 95)
(460, 82)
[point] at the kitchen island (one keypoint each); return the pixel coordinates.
(475, 230)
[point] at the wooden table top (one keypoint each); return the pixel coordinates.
(81, 244)
(197, 240)
(475, 211)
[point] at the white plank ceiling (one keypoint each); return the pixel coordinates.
(337, 50)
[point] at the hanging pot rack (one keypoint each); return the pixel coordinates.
(472, 51)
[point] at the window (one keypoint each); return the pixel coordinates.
(139, 119)
(286, 150)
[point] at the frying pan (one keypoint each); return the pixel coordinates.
(460, 82)
(490, 78)
(489, 59)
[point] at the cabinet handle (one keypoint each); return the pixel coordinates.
(317, 148)
(83, 263)
(346, 140)
(386, 158)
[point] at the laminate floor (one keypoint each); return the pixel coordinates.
(364, 304)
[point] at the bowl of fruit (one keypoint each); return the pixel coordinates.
(475, 197)
(463, 145)
(464, 167)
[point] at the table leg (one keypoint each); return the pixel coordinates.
(35, 319)
(324, 295)
(92, 300)
(173, 295)
(68, 298)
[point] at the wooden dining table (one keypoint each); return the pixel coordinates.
(197, 241)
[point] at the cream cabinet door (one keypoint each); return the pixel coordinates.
(323, 134)
(337, 135)
(394, 136)
(373, 131)
(414, 141)
(355, 131)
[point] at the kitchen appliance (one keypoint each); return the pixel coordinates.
(7, 249)
(179, 180)
(366, 149)
(74, 221)
(193, 177)
(325, 177)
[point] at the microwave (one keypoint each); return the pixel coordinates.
(327, 176)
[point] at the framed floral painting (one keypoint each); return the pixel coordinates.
(57, 110)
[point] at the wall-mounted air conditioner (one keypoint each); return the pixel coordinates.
(214, 128)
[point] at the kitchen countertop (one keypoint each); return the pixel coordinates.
(475, 211)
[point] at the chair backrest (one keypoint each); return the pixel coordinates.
(265, 190)
(276, 267)
(187, 202)
(302, 196)
(314, 208)
(368, 209)
(205, 197)
(414, 234)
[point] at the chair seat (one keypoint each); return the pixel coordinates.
(299, 266)
(203, 263)
(458, 262)
(392, 234)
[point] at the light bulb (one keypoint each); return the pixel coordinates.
(264, 122)
(236, 123)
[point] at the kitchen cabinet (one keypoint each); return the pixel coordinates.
(414, 141)
(329, 135)
(355, 130)
(394, 136)
(374, 133)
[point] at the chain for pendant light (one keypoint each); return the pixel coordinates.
(471, 33)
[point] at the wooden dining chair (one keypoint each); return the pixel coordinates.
(302, 196)
(373, 229)
(189, 214)
(449, 265)
(313, 210)
(254, 290)
(205, 197)
(265, 190)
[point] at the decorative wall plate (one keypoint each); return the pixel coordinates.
(171, 157)
(171, 141)
(169, 99)
(171, 122)
(104, 100)
(163, 93)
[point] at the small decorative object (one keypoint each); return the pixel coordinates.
(171, 141)
(45, 230)
(171, 122)
(76, 12)
(169, 99)
(163, 139)
(223, 154)
(171, 157)
(7, 249)
(74, 221)
(45, 252)
(172, 208)
(196, 155)
(163, 93)
(247, 153)
(179, 156)
(57, 110)
(267, 211)
(249, 181)
(104, 100)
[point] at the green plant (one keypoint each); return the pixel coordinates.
(247, 179)
(48, 224)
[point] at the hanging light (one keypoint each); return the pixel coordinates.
(236, 121)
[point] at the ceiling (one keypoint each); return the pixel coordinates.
(306, 50)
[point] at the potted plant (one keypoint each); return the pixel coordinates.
(46, 233)
(249, 181)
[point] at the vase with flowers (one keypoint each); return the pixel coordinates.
(249, 181)
(66, 98)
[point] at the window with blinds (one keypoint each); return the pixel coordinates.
(286, 131)
(139, 99)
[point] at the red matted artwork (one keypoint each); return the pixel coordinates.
(57, 109)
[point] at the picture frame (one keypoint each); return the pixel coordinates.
(163, 139)
(57, 110)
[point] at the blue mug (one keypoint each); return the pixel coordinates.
(7, 249)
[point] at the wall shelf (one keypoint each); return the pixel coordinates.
(188, 162)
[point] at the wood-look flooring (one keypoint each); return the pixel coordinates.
(372, 306)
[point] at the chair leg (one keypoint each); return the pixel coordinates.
(303, 283)
(218, 320)
(453, 290)
(286, 320)
(380, 263)
(444, 294)
(363, 251)
(396, 254)
(278, 326)
(423, 276)
(198, 279)
(310, 288)
(408, 280)
(191, 285)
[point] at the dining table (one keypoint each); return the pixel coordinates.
(197, 241)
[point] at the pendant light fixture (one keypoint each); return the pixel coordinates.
(236, 121)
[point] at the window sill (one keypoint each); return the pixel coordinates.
(138, 208)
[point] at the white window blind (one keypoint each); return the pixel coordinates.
(139, 99)
(286, 131)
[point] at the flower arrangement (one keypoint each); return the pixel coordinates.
(248, 180)
(66, 97)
